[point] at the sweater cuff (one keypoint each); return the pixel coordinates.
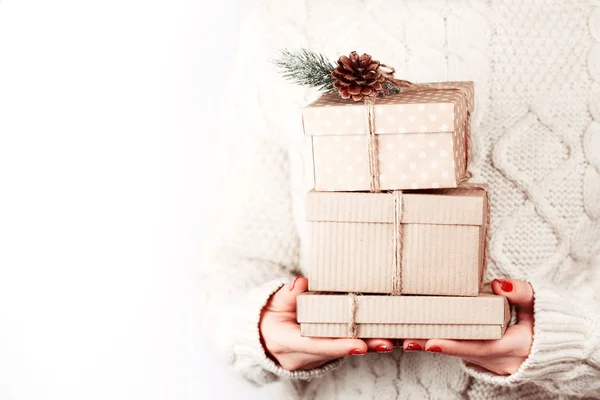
(248, 340)
(561, 335)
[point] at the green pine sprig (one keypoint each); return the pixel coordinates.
(391, 88)
(307, 68)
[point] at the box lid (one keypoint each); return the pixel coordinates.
(455, 207)
(486, 309)
(426, 111)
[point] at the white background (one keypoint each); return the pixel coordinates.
(105, 131)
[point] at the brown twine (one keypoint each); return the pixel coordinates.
(388, 74)
(397, 272)
(468, 174)
(375, 184)
(352, 328)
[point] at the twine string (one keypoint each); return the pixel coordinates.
(374, 182)
(352, 328)
(468, 174)
(397, 271)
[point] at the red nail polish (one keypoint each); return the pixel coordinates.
(293, 283)
(413, 347)
(356, 352)
(382, 348)
(506, 286)
(434, 349)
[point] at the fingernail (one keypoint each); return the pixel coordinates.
(434, 349)
(413, 347)
(293, 283)
(356, 352)
(506, 286)
(382, 348)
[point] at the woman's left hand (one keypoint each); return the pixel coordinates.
(503, 356)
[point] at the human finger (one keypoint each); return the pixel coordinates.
(380, 345)
(414, 344)
(468, 348)
(327, 347)
(285, 298)
(316, 364)
(303, 361)
(525, 318)
(519, 293)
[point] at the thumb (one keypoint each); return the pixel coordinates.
(519, 293)
(285, 298)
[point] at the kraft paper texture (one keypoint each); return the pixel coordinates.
(421, 139)
(443, 234)
(419, 317)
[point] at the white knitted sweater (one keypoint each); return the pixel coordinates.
(536, 141)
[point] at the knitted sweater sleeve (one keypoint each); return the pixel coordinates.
(252, 248)
(565, 355)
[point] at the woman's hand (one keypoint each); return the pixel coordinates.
(281, 338)
(504, 356)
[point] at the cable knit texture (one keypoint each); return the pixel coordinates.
(536, 141)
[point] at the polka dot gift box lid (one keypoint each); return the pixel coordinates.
(421, 139)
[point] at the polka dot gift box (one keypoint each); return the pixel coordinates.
(420, 139)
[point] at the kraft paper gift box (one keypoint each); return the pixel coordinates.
(430, 242)
(417, 317)
(420, 140)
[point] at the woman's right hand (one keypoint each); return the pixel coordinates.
(281, 338)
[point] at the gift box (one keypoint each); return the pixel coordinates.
(416, 317)
(413, 140)
(428, 242)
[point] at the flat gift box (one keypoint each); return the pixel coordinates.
(421, 139)
(442, 233)
(414, 317)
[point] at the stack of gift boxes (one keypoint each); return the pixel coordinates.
(397, 240)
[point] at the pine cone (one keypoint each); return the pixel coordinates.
(358, 77)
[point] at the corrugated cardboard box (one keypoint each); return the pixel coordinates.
(415, 317)
(422, 139)
(442, 236)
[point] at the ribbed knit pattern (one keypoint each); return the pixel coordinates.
(536, 142)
